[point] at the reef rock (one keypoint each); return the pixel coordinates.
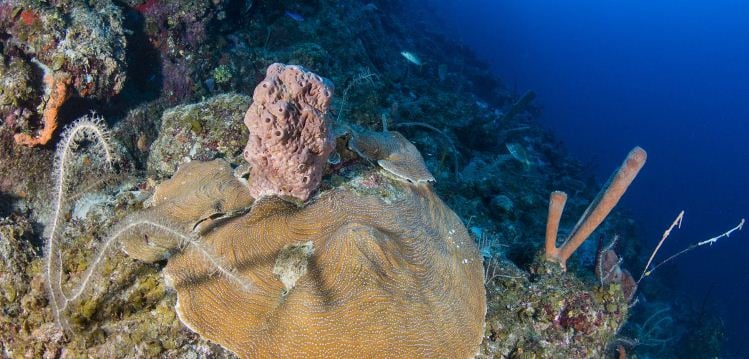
(78, 49)
(202, 131)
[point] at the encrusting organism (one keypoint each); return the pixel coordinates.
(58, 86)
(596, 212)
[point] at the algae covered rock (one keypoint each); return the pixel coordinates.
(85, 40)
(75, 49)
(203, 131)
(549, 313)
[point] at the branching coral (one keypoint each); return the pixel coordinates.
(677, 224)
(596, 212)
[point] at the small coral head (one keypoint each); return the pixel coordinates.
(290, 136)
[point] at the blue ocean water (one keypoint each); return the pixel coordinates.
(672, 77)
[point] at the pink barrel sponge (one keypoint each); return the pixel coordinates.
(290, 137)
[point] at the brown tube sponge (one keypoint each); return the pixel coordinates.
(290, 138)
(597, 210)
(557, 200)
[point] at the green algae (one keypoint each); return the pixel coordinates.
(222, 74)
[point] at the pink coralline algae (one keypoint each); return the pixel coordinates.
(290, 137)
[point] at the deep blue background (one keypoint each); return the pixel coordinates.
(672, 77)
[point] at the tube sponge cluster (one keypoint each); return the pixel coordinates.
(290, 137)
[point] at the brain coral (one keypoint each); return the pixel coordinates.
(351, 274)
(290, 139)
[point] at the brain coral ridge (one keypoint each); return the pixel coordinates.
(347, 275)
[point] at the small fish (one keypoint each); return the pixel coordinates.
(442, 72)
(411, 57)
(294, 15)
(519, 153)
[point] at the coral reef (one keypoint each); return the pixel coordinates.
(549, 314)
(182, 43)
(480, 149)
(399, 244)
(103, 292)
(290, 136)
